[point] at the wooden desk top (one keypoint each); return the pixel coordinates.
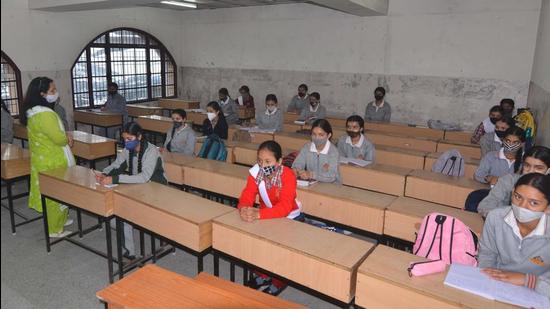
(338, 249)
(383, 168)
(88, 138)
(460, 143)
(390, 265)
(14, 152)
(76, 175)
(450, 180)
(187, 206)
(373, 199)
(143, 106)
(411, 152)
(156, 117)
(177, 158)
(97, 112)
(15, 161)
(220, 167)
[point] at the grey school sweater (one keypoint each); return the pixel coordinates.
(383, 114)
(297, 104)
(230, 111)
(488, 143)
(152, 168)
(309, 116)
(324, 165)
(502, 248)
(492, 165)
(500, 194)
(182, 142)
(270, 121)
(365, 149)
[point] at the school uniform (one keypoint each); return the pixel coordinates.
(230, 110)
(486, 126)
(220, 127)
(310, 114)
(494, 164)
(500, 195)
(270, 121)
(503, 247)
(7, 127)
(378, 113)
(116, 103)
(151, 170)
(363, 148)
(489, 142)
(323, 165)
(181, 140)
(297, 104)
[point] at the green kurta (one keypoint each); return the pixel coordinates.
(49, 150)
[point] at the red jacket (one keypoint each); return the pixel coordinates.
(282, 199)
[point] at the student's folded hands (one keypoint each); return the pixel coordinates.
(249, 214)
(505, 276)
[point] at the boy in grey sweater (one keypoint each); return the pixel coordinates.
(314, 111)
(378, 110)
(229, 107)
(299, 101)
(272, 118)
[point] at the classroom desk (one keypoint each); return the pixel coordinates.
(173, 166)
(383, 282)
(181, 217)
(97, 118)
(291, 140)
(290, 117)
(155, 123)
(470, 164)
(247, 153)
(171, 104)
(321, 260)
(466, 148)
(401, 128)
(216, 176)
(376, 177)
(404, 215)
(441, 189)
(76, 187)
(399, 157)
(15, 167)
(291, 127)
(459, 136)
(92, 147)
(153, 287)
(136, 110)
(402, 141)
(20, 132)
(196, 118)
(353, 207)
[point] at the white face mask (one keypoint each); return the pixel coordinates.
(211, 116)
(524, 215)
(51, 98)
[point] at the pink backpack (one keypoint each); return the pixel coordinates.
(446, 238)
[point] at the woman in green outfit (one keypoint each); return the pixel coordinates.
(49, 147)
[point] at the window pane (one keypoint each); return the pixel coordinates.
(155, 67)
(116, 54)
(115, 37)
(120, 81)
(156, 92)
(141, 67)
(170, 91)
(99, 83)
(129, 68)
(169, 79)
(81, 100)
(128, 54)
(142, 94)
(100, 40)
(80, 85)
(97, 53)
(142, 80)
(168, 66)
(100, 97)
(117, 68)
(156, 80)
(80, 69)
(154, 54)
(141, 54)
(99, 68)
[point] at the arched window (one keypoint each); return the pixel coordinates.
(141, 66)
(11, 85)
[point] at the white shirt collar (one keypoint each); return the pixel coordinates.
(312, 148)
(497, 139)
(377, 106)
(359, 144)
(503, 157)
(488, 126)
(269, 114)
(305, 97)
(225, 102)
(316, 107)
(540, 230)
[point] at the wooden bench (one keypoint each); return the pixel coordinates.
(459, 136)
(376, 177)
(470, 164)
(466, 148)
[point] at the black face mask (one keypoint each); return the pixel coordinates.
(378, 97)
(500, 134)
(177, 124)
(353, 134)
(493, 120)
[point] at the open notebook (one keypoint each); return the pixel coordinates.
(352, 161)
(471, 279)
(305, 183)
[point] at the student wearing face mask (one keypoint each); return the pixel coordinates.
(515, 243)
(314, 111)
(215, 122)
(318, 159)
(49, 145)
(139, 162)
(355, 145)
(493, 141)
(272, 118)
(505, 161)
(535, 160)
(487, 125)
(115, 103)
(275, 184)
(299, 101)
(228, 106)
(181, 138)
(378, 110)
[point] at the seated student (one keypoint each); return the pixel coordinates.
(272, 119)
(505, 161)
(245, 99)
(138, 162)
(492, 141)
(7, 124)
(299, 101)
(535, 160)
(487, 125)
(507, 106)
(318, 159)
(378, 110)
(215, 122)
(181, 138)
(275, 184)
(515, 243)
(355, 145)
(115, 103)
(314, 111)
(228, 106)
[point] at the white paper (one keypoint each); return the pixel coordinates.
(107, 186)
(305, 183)
(470, 279)
(300, 122)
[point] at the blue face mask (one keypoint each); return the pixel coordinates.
(131, 145)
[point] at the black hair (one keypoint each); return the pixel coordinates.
(224, 91)
(180, 112)
(4, 106)
(303, 86)
(519, 132)
(216, 106)
(273, 147)
(540, 153)
(112, 84)
(381, 89)
(315, 95)
(508, 120)
(323, 124)
(33, 96)
(245, 89)
(271, 97)
(507, 101)
(538, 181)
(495, 109)
(133, 128)
(358, 119)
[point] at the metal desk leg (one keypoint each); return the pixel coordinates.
(45, 219)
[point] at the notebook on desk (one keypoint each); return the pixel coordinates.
(352, 161)
(306, 183)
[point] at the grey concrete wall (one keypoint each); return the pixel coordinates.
(539, 102)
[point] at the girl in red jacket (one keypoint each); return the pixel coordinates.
(276, 185)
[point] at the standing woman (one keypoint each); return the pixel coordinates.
(49, 145)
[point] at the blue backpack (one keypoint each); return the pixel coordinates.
(213, 148)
